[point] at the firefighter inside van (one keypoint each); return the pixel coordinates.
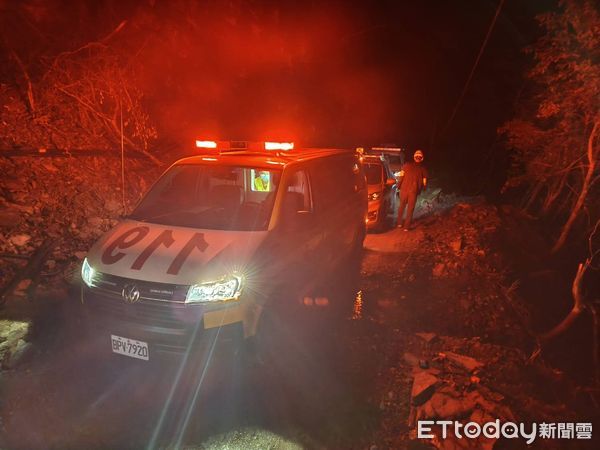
(209, 197)
(262, 181)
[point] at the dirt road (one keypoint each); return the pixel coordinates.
(415, 301)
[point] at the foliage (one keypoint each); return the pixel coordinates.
(68, 93)
(555, 135)
(94, 87)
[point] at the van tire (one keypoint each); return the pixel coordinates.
(258, 350)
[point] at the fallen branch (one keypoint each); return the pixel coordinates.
(110, 124)
(12, 256)
(30, 96)
(578, 306)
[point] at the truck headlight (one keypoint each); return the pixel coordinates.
(87, 273)
(374, 196)
(228, 288)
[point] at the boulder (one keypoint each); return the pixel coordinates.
(438, 270)
(20, 240)
(21, 352)
(444, 405)
(423, 387)
(11, 333)
(466, 362)
(457, 244)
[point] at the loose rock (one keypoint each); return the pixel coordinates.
(423, 387)
(20, 239)
(466, 362)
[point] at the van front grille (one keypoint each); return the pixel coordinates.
(112, 286)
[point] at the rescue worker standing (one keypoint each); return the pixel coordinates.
(413, 179)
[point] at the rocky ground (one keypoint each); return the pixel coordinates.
(51, 211)
(457, 336)
(438, 329)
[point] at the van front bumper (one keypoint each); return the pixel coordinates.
(167, 327)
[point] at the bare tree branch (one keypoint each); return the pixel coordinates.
(100, 43)
(576, 310)
(27, 78)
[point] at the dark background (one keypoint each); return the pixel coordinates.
(335, 73)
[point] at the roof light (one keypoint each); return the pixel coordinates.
(279, 145)
(206, 144)
(209, 159)
(387, 149)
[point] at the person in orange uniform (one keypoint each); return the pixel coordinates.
(413, 179)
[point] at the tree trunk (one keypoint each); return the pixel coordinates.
(587, 181)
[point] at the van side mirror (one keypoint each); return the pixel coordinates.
(390, 182)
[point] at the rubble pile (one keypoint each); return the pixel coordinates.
(431, 377)
(459, 338)
(13, 344)
(63, 202)
(460, 248)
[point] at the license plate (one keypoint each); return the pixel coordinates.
(129, 347)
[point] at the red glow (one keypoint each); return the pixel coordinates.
(206, 144)
(279, 145)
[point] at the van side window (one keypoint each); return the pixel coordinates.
(351, 174)
(327, 181)
(336, 180)
(298, 182)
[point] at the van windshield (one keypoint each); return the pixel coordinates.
(373, 173)
(211, 197)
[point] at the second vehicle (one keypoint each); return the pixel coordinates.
(382, 191)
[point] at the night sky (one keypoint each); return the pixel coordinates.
(322, 73)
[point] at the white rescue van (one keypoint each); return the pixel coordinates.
(216, 237)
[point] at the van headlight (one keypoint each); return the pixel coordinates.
(228, 288)
(87, 273)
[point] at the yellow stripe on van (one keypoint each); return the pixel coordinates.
(227, 316)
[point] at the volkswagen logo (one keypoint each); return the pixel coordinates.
(130, 293)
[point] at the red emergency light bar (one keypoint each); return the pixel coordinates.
(279, 146)
(206, 144)
(232, 146)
